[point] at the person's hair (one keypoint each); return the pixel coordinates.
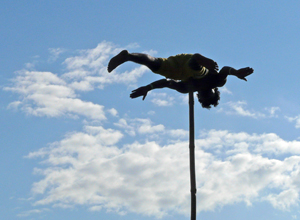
(209, 97)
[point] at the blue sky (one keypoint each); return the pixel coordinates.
(75, 146)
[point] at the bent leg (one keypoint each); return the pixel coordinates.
(144, 59)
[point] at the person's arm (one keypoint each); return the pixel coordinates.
(163, 83)
(206, 62)
(240, 73)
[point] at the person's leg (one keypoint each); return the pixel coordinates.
(152, 63)
(144, 59)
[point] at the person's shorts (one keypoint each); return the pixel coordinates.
(177, 68)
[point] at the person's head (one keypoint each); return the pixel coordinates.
(209, 97)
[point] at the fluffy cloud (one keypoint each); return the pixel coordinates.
(55, 52)
(92, 168)
(225, 90)
(142, 126)
(34, 211)
(239, 108)
(53, 95)
(162, 99)
(89, 69)
(146, 127)
(295, 120)
(272, 111)
(46, 94)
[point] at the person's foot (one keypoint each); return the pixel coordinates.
(243, 72)
(117, 60)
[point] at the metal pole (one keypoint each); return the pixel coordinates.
(192, 156)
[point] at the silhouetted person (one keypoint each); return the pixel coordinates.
(184, 72)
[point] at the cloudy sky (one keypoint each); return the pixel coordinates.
(75, 146)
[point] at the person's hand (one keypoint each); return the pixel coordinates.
(242, 73)
(142, 91)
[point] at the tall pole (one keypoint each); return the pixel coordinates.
(192, 156)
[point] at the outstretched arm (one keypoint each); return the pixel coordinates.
(240, 73)
(219, 80)
(163, 83)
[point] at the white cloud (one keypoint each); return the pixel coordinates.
(266, 144)
(45, 94)
(91, 59)
(184, 98)
(92, 168)
(178, 133)
(142, 126)
(49, 94)
(55, 52)
(89, 69)
(145, 126)
(162, 99)
(129, 129)
(14, 105)
(285, 199)
(113, 112)
(30, 65)
(88, 168)
(272, 111)
(33, 211)
(295, 119)
(238, 108)
(151, 112)
(225, 90)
